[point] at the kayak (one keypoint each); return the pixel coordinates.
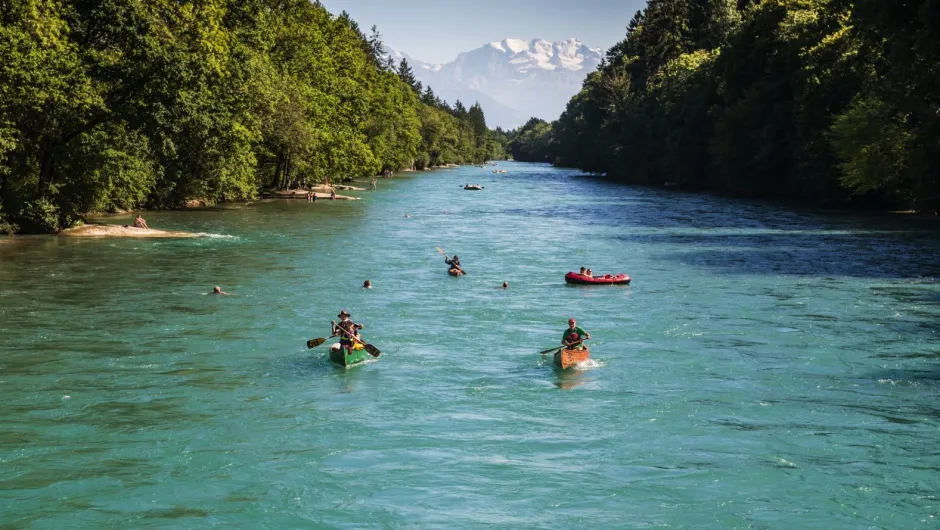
(455, 272)
(473, 187)
(607, 279)
(356, 356)
(565, 359)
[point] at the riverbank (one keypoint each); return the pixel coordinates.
(302, 194)
(106, 230)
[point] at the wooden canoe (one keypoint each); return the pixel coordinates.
(356, 356)
(565, 359)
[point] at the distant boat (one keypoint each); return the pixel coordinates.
(607, 279)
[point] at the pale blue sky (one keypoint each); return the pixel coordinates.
(437, 30)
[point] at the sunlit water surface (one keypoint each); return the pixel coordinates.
(767, 367)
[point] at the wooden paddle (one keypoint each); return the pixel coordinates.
(553, 350)
(373, 351)
(313, 343)
(448, 259)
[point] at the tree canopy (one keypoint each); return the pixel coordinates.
(109, 105)
(829, 102)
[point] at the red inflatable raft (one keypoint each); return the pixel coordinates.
(607, 279)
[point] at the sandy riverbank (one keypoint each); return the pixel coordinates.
(302, 194)
(104, 230)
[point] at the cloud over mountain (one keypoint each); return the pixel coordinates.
(512, 79)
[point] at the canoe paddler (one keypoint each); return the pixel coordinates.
(347, 331)
(454, 264)
(574, 336)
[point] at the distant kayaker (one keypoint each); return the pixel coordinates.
(574, 336)
(454, 265)
(367, 284)
(217, 290)
(347, 331)
(139, 222)
(505, 285)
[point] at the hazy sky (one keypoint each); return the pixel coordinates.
(437, 30)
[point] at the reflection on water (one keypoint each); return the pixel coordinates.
(569, 379)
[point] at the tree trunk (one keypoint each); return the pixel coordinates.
(276, 181)
(46, 164)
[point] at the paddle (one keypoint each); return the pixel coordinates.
(313, 343)
(448, 259)
(373, 351)
(553, 350)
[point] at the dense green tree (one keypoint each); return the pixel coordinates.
(108, 105)
(532, 142)
(822, 101)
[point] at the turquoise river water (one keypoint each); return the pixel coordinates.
(766, 368)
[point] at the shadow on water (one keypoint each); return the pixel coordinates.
(318, 367)
(800, 254)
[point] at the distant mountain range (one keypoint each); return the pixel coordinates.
(512, 79)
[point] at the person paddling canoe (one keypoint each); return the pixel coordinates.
(347, 330)
(574, 336)
(454, 263)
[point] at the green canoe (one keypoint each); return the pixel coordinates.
(337, 355)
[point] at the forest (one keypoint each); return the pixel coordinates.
(832, 103)
(110, 105)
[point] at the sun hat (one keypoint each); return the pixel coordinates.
(343, 312)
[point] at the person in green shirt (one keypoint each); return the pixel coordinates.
(574, 336)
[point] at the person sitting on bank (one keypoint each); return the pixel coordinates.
(217, 290)
(139, 222)
(574, 336)
(347, 331)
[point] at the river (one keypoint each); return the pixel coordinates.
(767, 367)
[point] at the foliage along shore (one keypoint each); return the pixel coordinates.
(830, 103)
(116, 105)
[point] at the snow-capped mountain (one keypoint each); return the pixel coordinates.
(512, 79)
